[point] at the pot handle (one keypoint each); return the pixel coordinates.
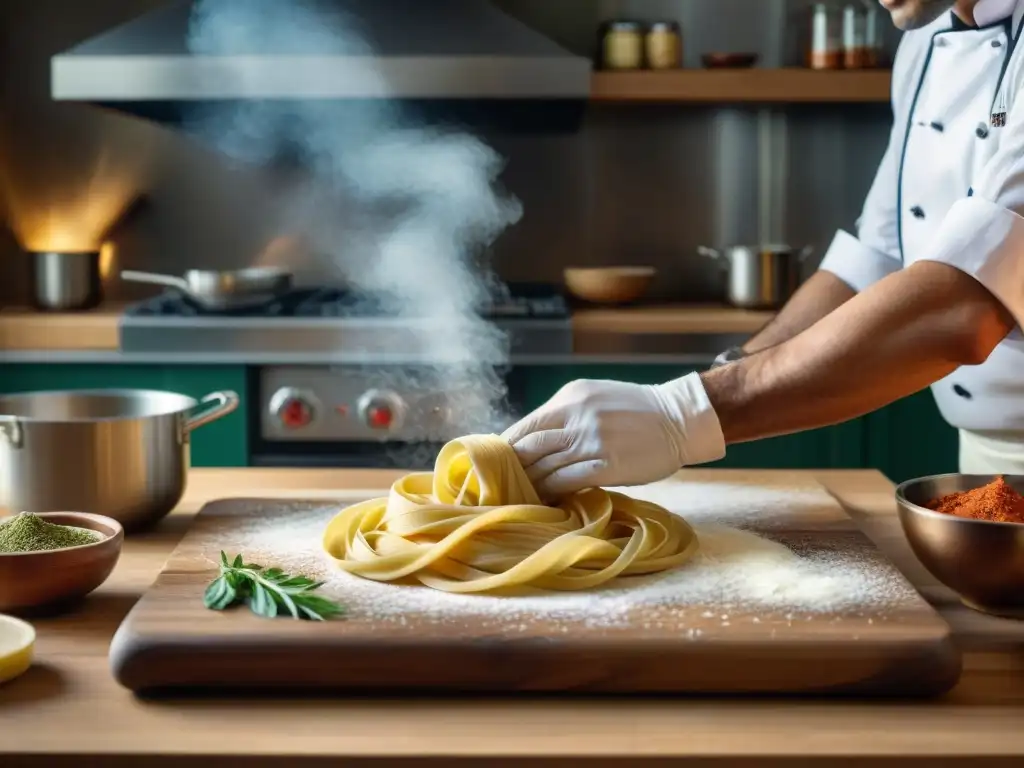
(712, 253)
(134, 276)
(10, 429)
(226, 401)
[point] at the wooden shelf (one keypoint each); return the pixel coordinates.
(718, 86)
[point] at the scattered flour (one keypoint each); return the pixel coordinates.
(736, 574)
(735, 504)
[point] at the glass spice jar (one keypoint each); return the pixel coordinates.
(622, 45)
(825, 51)
(854, 56)
(872, 39)
(664, 45)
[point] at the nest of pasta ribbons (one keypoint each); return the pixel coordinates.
(477, 525)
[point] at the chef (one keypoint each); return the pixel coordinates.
(928, 292)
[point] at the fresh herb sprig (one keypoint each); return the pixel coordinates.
(269, 592)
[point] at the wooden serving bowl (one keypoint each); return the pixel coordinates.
(608, 285)
(982, 561)
(36, 579)
(729, 60)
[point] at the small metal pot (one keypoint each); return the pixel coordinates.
(66, 282)
(760, 277)
(116, 452)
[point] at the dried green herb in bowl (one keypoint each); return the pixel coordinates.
(30, 533)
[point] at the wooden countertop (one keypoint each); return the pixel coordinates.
(23, 329)
(670, 319)
(68, 709)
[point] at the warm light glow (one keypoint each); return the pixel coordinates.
(71, 214)
(108, 259)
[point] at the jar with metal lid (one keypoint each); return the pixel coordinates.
(622, 44)
(664, 45)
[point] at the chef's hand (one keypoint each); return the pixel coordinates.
(610, 433)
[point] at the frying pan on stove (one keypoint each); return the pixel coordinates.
(222, 289)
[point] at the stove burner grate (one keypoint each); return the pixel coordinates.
(525, 302)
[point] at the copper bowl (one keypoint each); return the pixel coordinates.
(982, 561)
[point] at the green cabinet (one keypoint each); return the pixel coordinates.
(222, 443)
(910, 439)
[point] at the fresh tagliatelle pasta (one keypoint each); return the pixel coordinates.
(476, 525)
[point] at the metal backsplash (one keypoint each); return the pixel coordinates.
(638, 185)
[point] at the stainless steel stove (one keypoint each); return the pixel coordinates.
(336, 379)
(337, 325)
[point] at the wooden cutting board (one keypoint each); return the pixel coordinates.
(832, 616)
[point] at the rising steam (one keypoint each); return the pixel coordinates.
(402, 209)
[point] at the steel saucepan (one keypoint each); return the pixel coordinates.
(117, 452)
(66, 281)
(760, 277)
(220, 290)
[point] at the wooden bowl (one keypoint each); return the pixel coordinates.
(729, 60)
(608, 285)
(36, 579)
(982, 561)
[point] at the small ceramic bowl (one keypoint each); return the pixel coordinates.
(36, 579)
(982, 561)
(608, 285)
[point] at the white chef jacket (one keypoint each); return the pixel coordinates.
(950, 188)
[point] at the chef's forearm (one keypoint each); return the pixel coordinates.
(822, 293)
(893, 339)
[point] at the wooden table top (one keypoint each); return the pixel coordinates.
(68, 708)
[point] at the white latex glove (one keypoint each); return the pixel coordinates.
(610, 433)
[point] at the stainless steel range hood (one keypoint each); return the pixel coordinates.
(419, 50)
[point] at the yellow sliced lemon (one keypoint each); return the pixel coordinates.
(17, 641)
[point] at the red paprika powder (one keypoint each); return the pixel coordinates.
(997, 502)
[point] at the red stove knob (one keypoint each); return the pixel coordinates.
(296, 414)
(380, 410)
(293, 409)
(379, 416)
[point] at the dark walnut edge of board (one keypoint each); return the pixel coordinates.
(163, 665)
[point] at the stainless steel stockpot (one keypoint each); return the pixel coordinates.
(122, 453)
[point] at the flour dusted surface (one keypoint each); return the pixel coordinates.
(738, 576)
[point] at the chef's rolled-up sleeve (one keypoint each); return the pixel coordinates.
(983, 235)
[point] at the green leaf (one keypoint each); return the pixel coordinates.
(262, 601)
(318, 608)
(220, 594)
(299, 582)
(285, 601)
